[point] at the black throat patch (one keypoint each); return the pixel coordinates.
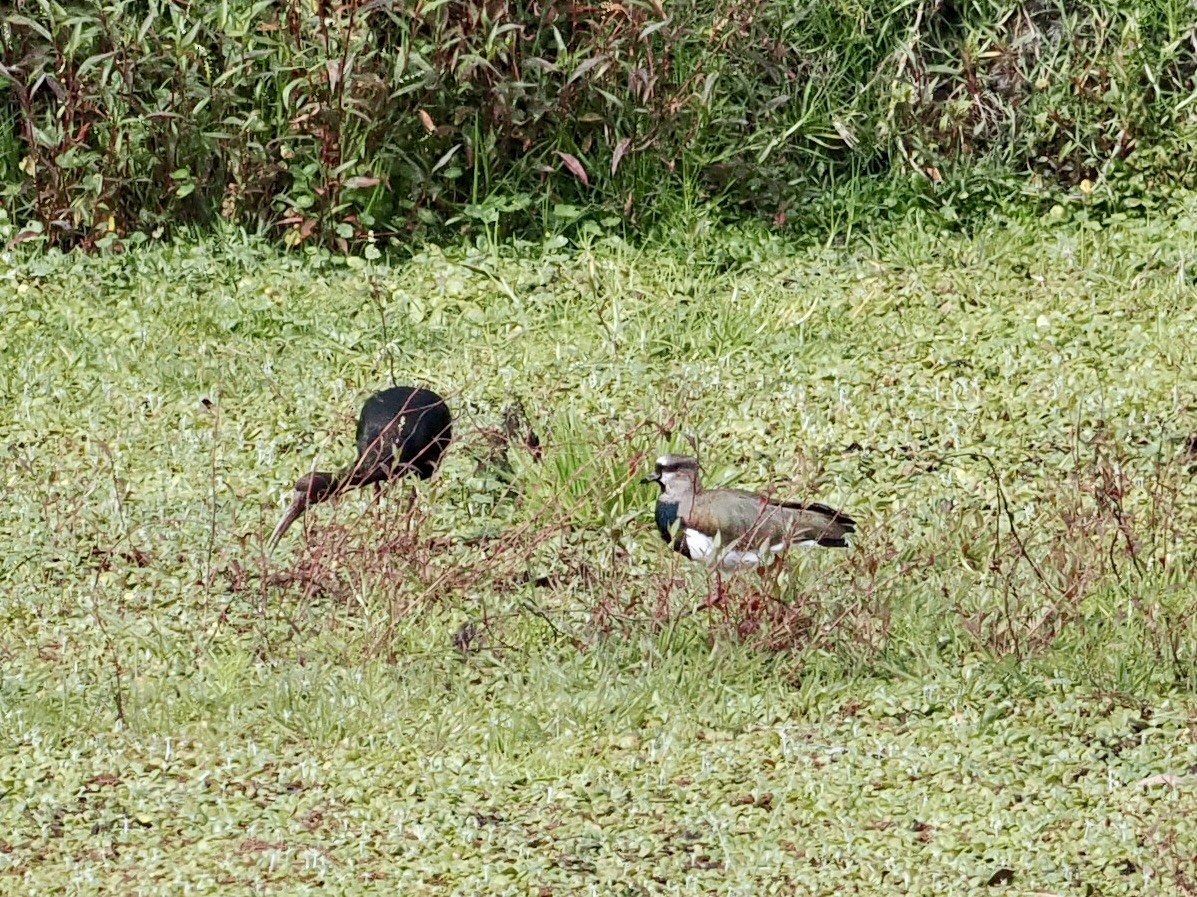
(666, 517)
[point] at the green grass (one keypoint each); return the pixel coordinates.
(935, 710)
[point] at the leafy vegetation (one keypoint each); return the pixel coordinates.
(510, 685)
(368, 123)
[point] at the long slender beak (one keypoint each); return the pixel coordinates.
(652, 478)
(298, 505)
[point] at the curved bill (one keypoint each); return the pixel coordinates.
(293, 513)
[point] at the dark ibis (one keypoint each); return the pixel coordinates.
(402, 430)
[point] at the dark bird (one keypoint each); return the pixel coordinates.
(402, 430)
(732, 526)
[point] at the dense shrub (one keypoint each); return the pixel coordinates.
(373, 119)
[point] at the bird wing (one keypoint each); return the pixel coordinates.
(381, 422)
(401, 425)
(748, 519)
(824, 511)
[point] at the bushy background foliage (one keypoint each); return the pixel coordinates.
(361, 121)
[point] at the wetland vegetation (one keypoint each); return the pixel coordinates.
(932, 263)
(511, 686)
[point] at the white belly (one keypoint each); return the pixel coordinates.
(702, 548)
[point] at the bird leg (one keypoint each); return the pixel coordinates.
(411, 504)
(771, 572)
(716, 599)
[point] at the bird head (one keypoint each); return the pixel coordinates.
(677, 475)
(310, 489)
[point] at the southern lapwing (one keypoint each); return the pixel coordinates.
(732, 527)
(402, 430)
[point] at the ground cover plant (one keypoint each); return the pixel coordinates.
(509, 685)
(361, 122)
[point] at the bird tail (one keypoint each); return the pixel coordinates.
(838, 524)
